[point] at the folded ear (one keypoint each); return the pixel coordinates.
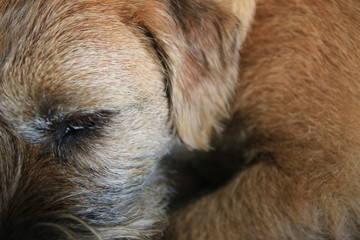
(198, 42)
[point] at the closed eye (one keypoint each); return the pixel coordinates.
(70, 132)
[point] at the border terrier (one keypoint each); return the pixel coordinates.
(93, 93)
(295, 129)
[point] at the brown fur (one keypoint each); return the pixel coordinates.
(93, 94)
(296, 124)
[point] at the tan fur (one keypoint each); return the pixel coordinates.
(93, 94)
(297, 123)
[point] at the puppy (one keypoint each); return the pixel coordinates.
(295, 129)
(93, 94)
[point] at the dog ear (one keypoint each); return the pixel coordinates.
(198, 42)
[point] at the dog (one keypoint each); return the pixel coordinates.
(93, 94)
(294, 130)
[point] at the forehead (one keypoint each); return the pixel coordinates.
(71, 56)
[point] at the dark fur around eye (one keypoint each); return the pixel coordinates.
(70, 132)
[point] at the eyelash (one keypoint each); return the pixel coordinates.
(71, 130)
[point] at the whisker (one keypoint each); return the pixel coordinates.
(69, 196)
(83, 223)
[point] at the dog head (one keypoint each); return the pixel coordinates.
(92, 95)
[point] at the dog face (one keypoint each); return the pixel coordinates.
(88, 99)
(93, 93)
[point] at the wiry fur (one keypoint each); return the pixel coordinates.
(296, 126)
(92, 95)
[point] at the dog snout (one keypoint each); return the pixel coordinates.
(31, 192)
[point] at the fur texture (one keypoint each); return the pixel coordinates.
(93, 94)
(296, 126)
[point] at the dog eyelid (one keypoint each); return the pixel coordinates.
(70, 128)
(80, 122)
